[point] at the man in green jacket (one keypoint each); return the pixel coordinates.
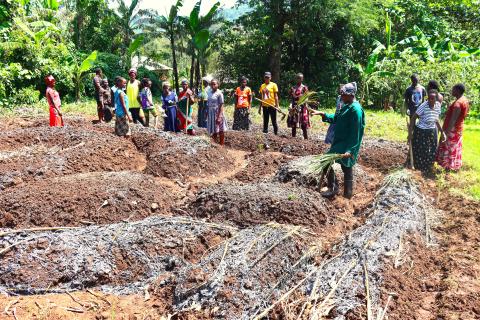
(349, 127)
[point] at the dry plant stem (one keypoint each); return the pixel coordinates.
(6, 249)
(367, 289)
(99, 296)
(397, 261)
(3, 234)
(288, 235)
(9, 305)
(265, 312)
(74, 299)
(329, 295)
(384, 312)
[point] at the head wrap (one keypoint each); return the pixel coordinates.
(132, 70)
(49, 80)
(349, 89)
(267, 74)
(165, 84)
(184, 81)
(207, 78)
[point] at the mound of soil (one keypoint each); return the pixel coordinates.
(261, 165)
(86, 198)
(42, 152)
(122, 257)
(180, 156)
(383, 155)
(256, 141)
(245, 273)
(246, 204)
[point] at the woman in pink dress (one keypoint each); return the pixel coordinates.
(54, 103)
(449, 154)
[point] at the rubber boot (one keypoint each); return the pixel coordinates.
(331, 184)
(348, 189)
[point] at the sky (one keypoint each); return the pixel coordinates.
(163, 6)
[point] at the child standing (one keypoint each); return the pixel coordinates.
(54, 103)
(122, 116)
(147, 102)
(106, 101)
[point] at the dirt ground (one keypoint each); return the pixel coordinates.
(85, 177)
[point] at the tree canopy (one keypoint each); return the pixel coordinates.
(376, 43)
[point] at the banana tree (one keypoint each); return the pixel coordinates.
(81, 70)
(198, 27)
(170, 25)
(133, 48)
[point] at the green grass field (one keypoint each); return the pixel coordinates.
(380, 124)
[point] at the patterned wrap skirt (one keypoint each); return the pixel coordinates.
(202, 114)
(424, 148)
(298, 117)
(122, 128)
(449, 154)
(55, 119)
(212, 126)
(241, 119)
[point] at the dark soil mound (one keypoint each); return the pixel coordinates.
(84, 198)
(45, 152)
(250, 204)
(256, 141)
(180, 156)
(383, 155)
(261, 165)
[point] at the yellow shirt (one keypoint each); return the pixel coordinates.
(132, 93)
(267, 92)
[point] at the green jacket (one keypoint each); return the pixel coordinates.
(349, 127)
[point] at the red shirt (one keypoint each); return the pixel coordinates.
(463, 104)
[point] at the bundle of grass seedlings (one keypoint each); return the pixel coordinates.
(322, 163)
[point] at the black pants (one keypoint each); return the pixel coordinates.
(269, 112)
(347, 176)
(136, 116)
(304, 129)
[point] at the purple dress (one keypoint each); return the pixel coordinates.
(170, 123)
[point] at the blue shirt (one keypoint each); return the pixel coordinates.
(119, 111)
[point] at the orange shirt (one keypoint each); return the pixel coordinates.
(243, 97)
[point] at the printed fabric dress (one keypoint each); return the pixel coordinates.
(241, 118)
(215, 99)
(425, 137)
(122, 127)
(53, 99)
(169, 105)
(449, 154)
(298, 116)
(185, 110)
(203, 108)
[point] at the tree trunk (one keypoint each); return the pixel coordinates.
(275, 51)
(198, 74)
(192, 67)
(174, 58)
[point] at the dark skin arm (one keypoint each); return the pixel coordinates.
(122, 102)
(453, 120)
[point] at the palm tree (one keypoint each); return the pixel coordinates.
(132, 23)
(169, 25)
(198, 27)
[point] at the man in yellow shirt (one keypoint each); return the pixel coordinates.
(269, 94)
(133, 90)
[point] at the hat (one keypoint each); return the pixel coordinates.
(267, 74)
(207, 78)
(349, 89)
(132, 70)
(184, 81)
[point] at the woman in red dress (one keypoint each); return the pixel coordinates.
(54, 103)
(449, 154)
